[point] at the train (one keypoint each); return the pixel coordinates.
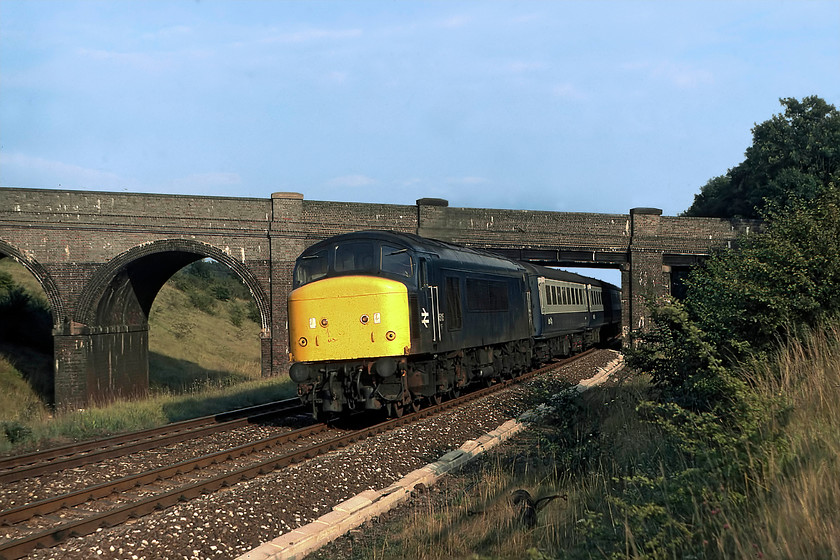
(388, 320)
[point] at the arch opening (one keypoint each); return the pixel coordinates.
(204, 330)
(115, 314)
(26, 342)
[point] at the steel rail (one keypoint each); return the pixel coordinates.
(50, 505)
(15, 549)
(74, 455)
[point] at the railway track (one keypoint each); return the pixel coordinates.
(47, 522)
(28, 465)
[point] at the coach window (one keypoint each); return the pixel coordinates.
(396, 260)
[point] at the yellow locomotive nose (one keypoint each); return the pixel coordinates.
(348, 317)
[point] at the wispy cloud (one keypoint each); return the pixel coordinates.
(145, 61)
(466, 180)
(455, 21)
(309, 35)
(17, 169)
(681, 75)
(352, 181)
(204, 182)
(523, 66)
(567, 91)
(173, 31)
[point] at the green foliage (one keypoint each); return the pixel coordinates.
(777, 282)
(680, 360)
(794, 155)
(253, 313)
(221, 292)
(209, 282)
(237, 314)
(15, 431)
(24, 320)
(778, 285)
(202, 301)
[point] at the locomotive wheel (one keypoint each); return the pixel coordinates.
(396, 409)
(415, 405)
(435, 399)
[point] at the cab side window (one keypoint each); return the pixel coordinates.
(396, 260)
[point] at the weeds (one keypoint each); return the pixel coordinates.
(642, 480)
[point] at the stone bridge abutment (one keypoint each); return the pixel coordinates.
(102, 258)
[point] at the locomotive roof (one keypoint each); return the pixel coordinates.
(453, 252)
(445, 250)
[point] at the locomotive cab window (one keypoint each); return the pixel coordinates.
(310, 268)
(396, 260)
(355, 257)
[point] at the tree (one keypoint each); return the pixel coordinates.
(794, 155)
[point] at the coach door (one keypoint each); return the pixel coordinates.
(431, 317)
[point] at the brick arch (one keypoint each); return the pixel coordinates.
(57, 307)
(108, 281)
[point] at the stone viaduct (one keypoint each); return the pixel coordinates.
(101, 258)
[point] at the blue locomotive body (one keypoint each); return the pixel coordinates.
(471, 315)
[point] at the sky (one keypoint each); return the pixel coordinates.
(595, 106)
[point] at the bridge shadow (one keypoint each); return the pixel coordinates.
(35, 366)
(26, 340)
(182, 377)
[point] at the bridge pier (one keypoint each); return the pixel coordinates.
(644, 277)
(286, 243)
(97, 365)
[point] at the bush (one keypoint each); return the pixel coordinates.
(202, 301)
(778, 283)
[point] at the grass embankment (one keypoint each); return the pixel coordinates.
(204, 358)
(628, 486)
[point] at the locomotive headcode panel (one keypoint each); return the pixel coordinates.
(383, 319)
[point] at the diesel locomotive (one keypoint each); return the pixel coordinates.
(380, 319)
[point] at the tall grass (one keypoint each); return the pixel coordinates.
(630, 488)
(43, 429)
(798, 513)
